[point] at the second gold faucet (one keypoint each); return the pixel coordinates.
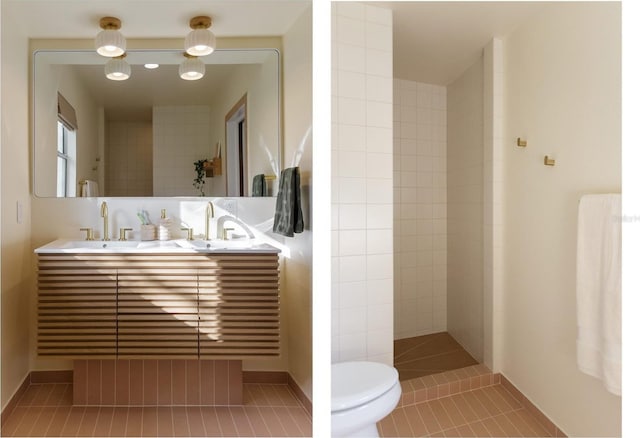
(208, 216)
(104, 212)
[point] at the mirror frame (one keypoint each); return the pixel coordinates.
(278, 128)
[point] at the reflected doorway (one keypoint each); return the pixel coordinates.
(236, 138)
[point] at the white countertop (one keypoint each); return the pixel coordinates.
(180, 246)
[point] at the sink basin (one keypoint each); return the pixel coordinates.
(98, 244)
(63, 245)
(218, 244)
(152, 244)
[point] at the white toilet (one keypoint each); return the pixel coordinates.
(362, 393)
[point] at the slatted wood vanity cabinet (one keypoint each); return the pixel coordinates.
(161, 305)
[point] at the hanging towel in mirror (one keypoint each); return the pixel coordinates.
(88, 189)
(259, 187)
(288, 217)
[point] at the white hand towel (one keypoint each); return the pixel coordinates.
(598, 288)
(89, 189)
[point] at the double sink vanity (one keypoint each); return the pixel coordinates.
(188, 299)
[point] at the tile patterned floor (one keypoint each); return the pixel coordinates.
(269, 410)
(485, 412)
(430, 354)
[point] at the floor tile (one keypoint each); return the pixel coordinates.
(88, 423)
(73, 422)
(165, 421)
(41, 425)
(194, 418)
(119, 421)
(428, 345)
(134, 421)
(481, 412)
(28, 420)
(45, 410)
(429, 355)
(180, 421)
(57, 422)
(103, 423)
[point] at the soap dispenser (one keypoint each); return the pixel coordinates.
(164, 226)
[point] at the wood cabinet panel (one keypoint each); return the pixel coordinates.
(213, 306)
(158, 312)
(239, 308)
(76, 312)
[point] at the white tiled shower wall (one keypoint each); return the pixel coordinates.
(181, 136)
(420, 208)
(362, 183)
(129, 159)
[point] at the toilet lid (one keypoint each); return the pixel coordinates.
(356, 383)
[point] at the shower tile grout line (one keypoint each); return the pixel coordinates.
(442, 353)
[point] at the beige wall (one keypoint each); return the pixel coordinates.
(15, 237)
(563, 95)
(297, 273)
(465, 249)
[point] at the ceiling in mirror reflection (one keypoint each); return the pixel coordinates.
(132, 99)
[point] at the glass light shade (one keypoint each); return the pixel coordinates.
(191, 69)
(117, 69)
(110, 43)
(200, 42)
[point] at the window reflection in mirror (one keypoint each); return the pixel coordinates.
(65, 177)
(142, 136)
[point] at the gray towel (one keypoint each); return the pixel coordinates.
(288, 217)
(259, 186)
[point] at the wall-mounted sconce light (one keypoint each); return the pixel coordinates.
(117, 69)
(110, 42)
(200, 41)
(192, 68)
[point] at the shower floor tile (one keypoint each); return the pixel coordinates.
(269, 410)
(429, 354)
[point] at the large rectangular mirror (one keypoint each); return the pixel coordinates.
(143, 136)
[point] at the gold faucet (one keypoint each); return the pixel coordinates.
(104, 212)
(208, 217)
